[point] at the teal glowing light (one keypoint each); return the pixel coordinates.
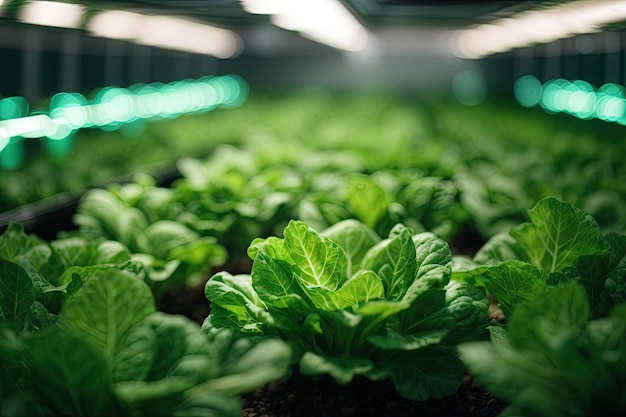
(469, 87)
(147, 100)
(578, 98)
(112, 108)
(67, 109)
(5, 138)
(114, 105)
(582, 100)
(528, 90)
(12, 107)
(237, 90)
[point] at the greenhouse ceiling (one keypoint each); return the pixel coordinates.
(473, 28)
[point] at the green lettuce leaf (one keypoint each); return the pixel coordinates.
(558, 234)
(319, 262)
(118, 300)
(366, 199)
(372, 308)
(17, 293)
(556, 360)
(394, 260)
(70, 375)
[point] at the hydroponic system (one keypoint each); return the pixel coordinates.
(313, 208)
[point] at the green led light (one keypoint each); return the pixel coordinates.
(218, 88)
(169, 103)
(113, 107)
(5, 138)
(210, 98)
(147, 101)
(469, 87)
(614, 90)
(548, 98)
(578, 98)
(13, 107)
(561, 99)
(73, 116)
(610, 109)
(66, 100)
(236, 91)
(528, 90)
(196, 97)
(582, 104)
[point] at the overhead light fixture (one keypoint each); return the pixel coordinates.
(325, 21)
(539, 26)
(52, 13)
(166, 32)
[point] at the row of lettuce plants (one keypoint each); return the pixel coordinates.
(498, 168)
(343, 301)
(238, 193)
(350, 303)
(344, 263)
(81, 336)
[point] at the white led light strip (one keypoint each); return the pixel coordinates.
(160, 31)
(538, 26)
(324, 21)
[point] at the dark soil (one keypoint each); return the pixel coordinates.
(303, 396)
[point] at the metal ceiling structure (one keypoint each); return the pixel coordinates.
(410, 17)
(374, 14)
(409, 44)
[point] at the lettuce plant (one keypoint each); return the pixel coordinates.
(560, 243)
(554, 361)
(82, 338)
(350, 303)
(562, 286)
(143, 218)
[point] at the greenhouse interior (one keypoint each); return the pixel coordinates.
(329, 208)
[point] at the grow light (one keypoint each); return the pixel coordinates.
(114, 107)
(166, 32)
(539, 26)
(578, 98)
(51, 13)
(327, 22)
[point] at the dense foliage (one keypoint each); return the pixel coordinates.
(350, 303)
(81, 336)
(562, 286)
(136, 215)
(364, 230)
(478, 176)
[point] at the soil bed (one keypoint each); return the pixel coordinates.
(302, 396)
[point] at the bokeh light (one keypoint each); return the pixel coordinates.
(469, 87)
(113, 107)
(578, 98)
(528, 91)
(12, 107)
